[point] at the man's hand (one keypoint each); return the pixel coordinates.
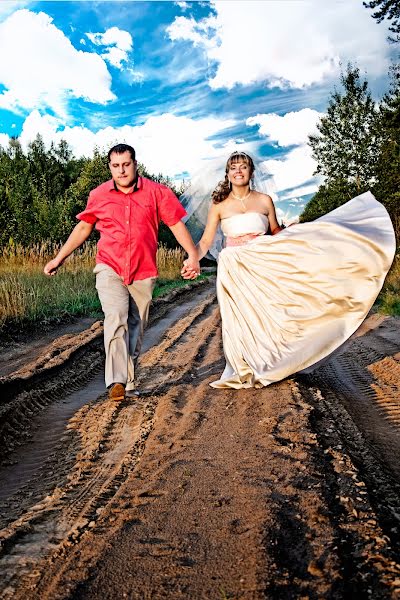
(52, 267)
(79, 234)
(191, 268)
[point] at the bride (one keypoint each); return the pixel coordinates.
(287, 301)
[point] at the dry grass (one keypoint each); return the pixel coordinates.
(169, 262)
(28, 296)
(19, 259)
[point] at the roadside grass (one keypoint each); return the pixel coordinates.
(388, 301)
(29, 299)
(164, 286)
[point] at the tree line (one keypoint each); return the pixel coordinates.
(357, 148)
(42, 190)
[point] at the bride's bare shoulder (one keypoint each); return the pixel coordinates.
(262, 196)
(264, 200)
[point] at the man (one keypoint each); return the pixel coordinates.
(126, 210)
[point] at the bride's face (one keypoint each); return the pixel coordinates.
(239, 173)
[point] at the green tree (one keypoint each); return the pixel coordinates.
(14, 190)
(387, 168)
(328, 197)
(348, 141)
(94, 172)
(51, 172)
(42, 190)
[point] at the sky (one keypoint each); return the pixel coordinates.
(186, 83)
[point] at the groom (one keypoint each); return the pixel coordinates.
(126, 210)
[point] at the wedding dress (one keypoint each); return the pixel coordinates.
(289, 300)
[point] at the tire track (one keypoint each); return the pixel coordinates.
(367, 380)
(61, 518)
(110, 439)
(195, 493)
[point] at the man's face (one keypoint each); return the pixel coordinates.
(123, 169)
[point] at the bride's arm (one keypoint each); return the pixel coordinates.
(210, 230)
(213, 218)
(273, 221)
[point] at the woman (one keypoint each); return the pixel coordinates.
(289, 300)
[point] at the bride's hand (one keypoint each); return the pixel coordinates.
(189, 269)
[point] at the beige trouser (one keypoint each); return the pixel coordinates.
(126, 310)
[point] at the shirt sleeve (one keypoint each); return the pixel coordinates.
(89, 214)
(170, 210)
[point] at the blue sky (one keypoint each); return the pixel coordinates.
(186, 82)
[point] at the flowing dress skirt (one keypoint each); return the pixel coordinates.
(287, 301)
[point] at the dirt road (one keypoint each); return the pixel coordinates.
(292, 491)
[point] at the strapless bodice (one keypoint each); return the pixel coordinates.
(244, 223)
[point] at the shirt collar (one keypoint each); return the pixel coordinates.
(137, 184)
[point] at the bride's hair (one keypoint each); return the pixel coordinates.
(223, 188)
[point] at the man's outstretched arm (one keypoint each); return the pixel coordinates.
(78, 236)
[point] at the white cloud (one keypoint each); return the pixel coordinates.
(44, 69)
(115, 56)
(182, 5)
(133, 76)
(171, 145)
(164, 144)
(35, 123)
(199, 33)
(296, 196)
(118, 42)
(4, 139)
(9, 6)
(293, 128)
(289, 43)
(293, 171)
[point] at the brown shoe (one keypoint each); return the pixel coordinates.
(116, 392)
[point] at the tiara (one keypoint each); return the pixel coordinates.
(239, 153)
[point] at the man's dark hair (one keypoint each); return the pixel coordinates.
(120, 149)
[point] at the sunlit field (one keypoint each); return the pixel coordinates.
(27, 296)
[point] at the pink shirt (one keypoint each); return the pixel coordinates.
(128, 225)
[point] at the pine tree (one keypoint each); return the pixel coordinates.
(387, 9)
(94, 172)
(17, 201)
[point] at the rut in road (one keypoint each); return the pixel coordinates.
(106, 436)
(197, 493)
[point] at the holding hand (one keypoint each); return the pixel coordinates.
(191, 268)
